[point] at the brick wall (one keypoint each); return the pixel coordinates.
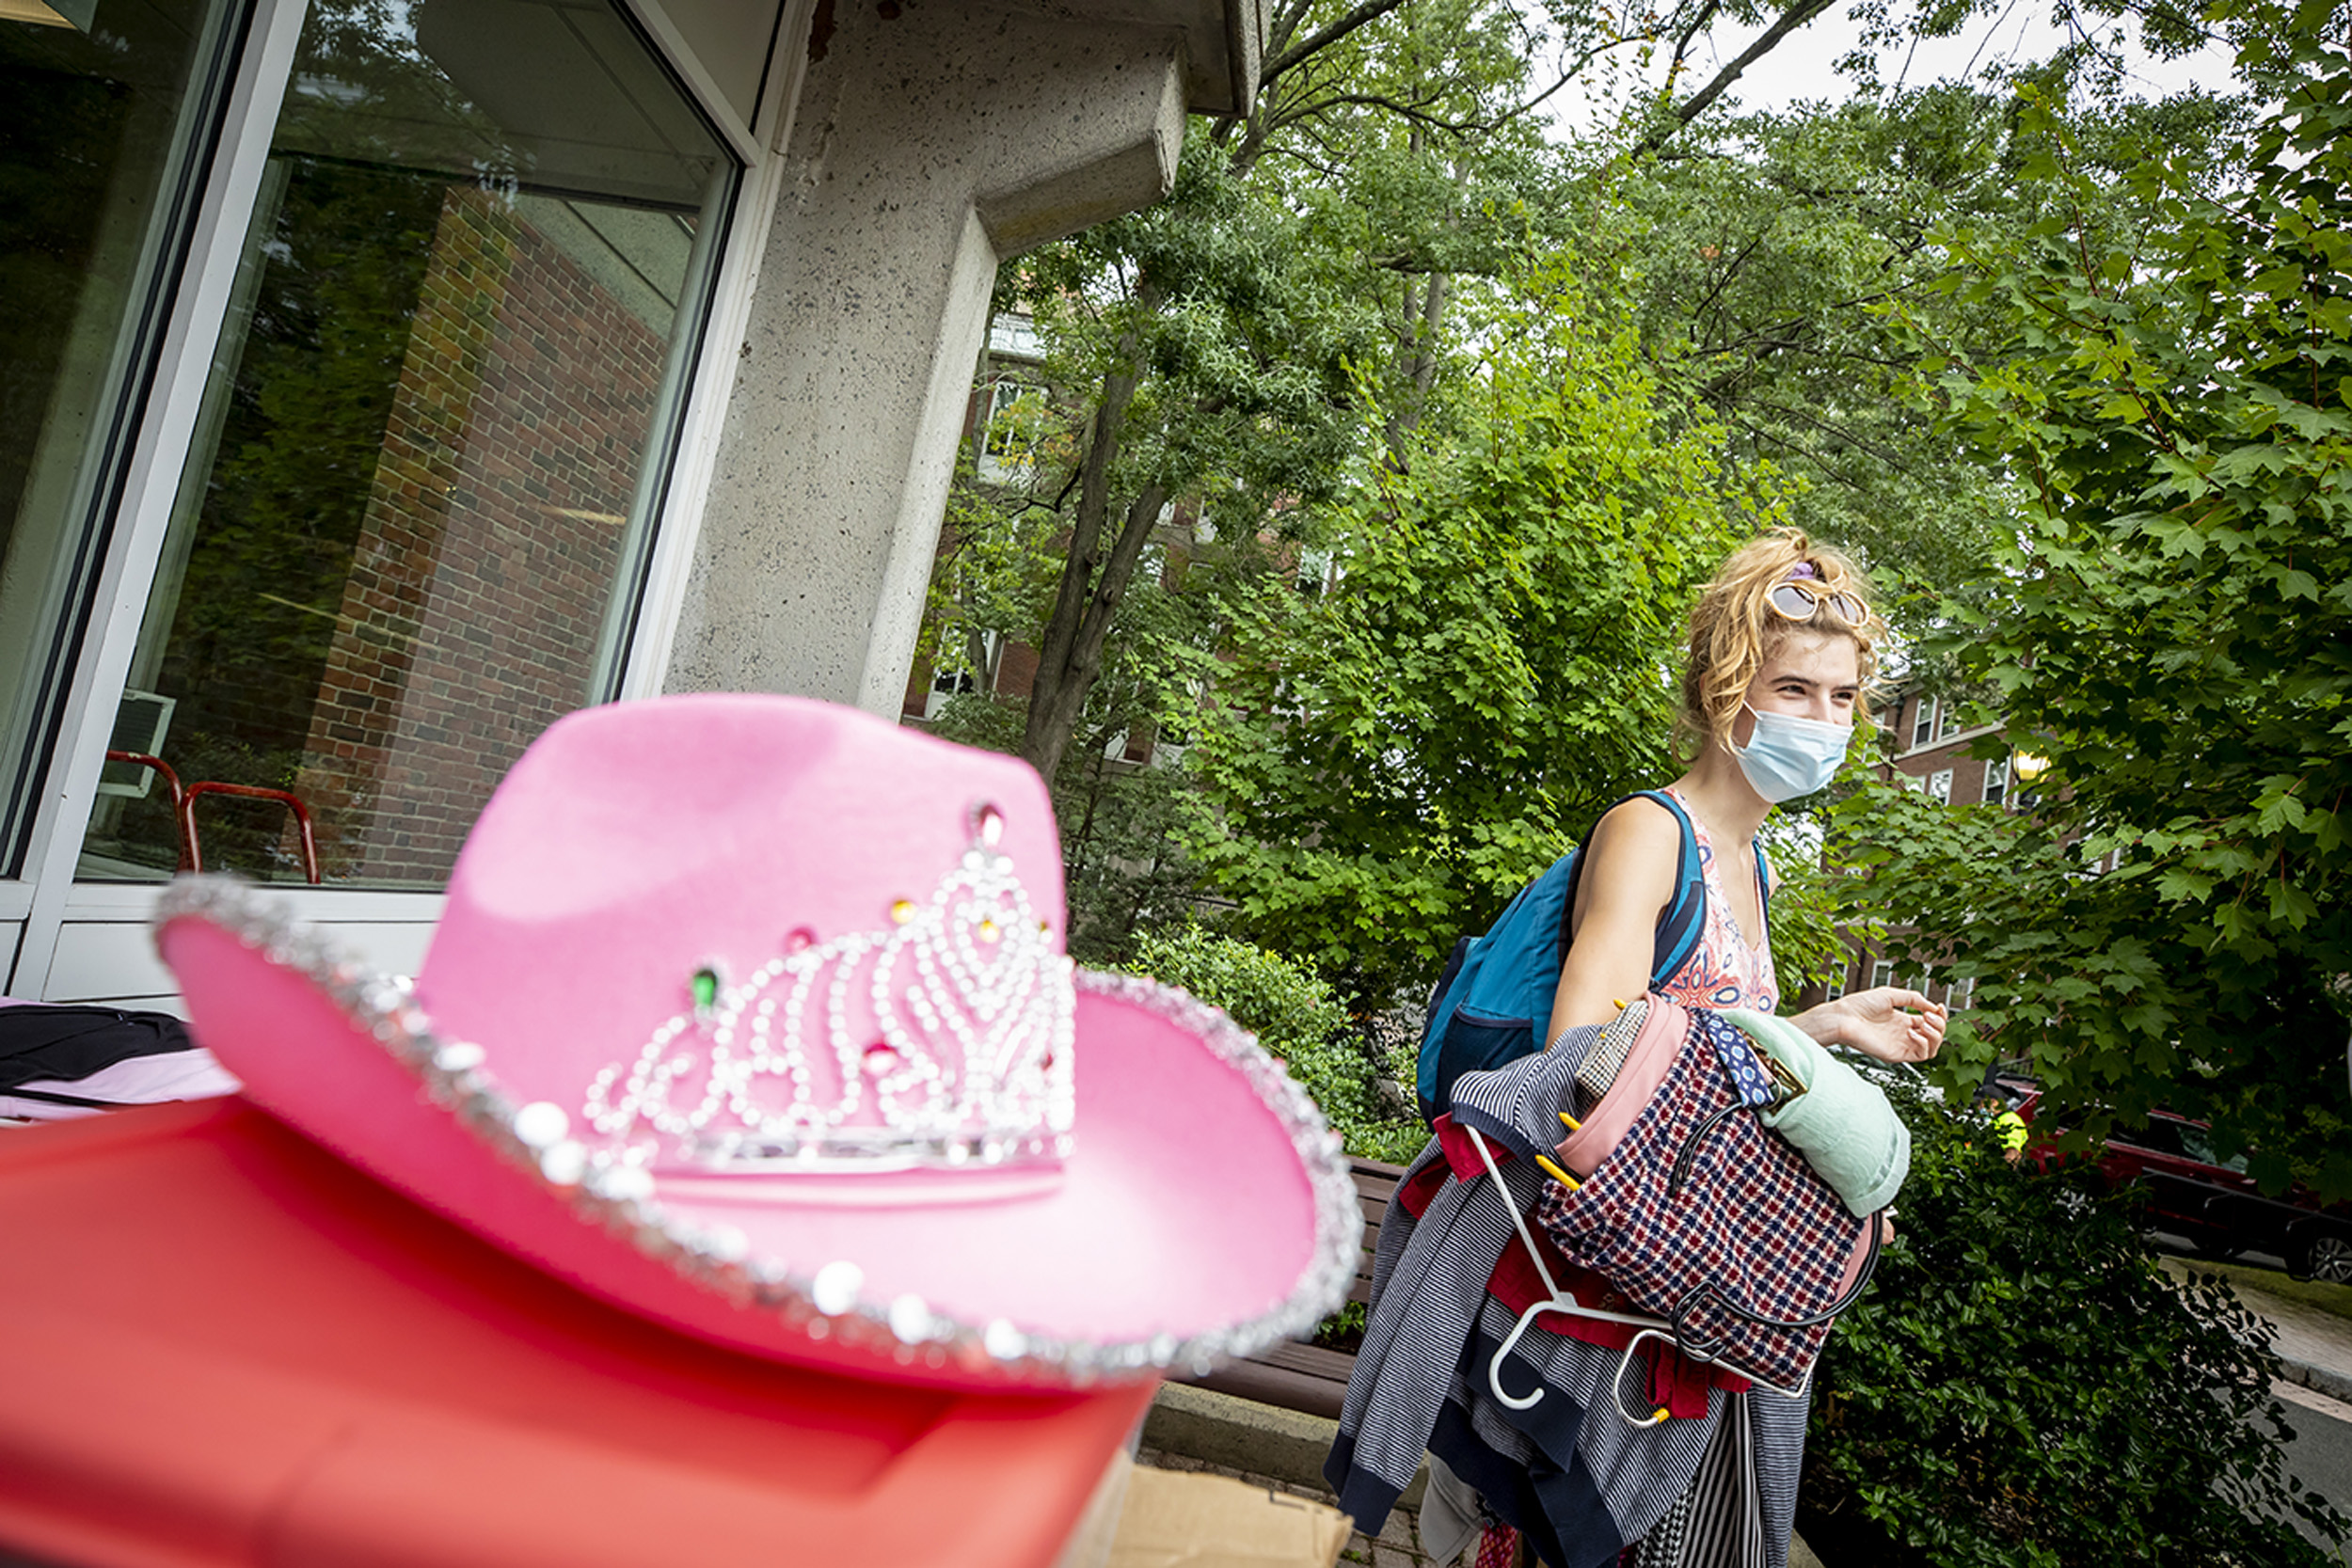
(491, 541)
(1945, 749)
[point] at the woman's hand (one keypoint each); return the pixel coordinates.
(1886, 1021)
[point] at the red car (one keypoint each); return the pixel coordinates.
(2212, 1202)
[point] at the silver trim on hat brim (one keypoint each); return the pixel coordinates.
(825, 1304)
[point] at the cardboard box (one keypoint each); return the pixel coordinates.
(1173, 1520)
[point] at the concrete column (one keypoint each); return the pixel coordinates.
(932, 139)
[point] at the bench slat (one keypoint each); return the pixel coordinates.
(1305, 1378)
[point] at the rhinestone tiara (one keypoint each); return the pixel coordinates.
(942, 1041)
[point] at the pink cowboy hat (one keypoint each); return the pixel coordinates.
(751, 1015)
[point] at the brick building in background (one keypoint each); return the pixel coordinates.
(493, 528)
(1931, 747)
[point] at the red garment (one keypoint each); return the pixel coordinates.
(1497, 1548)
(228, 1347)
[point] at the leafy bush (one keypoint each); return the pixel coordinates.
(1296, 1017)
(2022, 1386)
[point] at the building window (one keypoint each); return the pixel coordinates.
(1317, 571)
(1837, 984)
(1961, 993)
(1882, 974)
(1015, 337)
(1016, 412)
(1940, 786)
(1923, 721)
(414, 514)
(106, 114)
(1997, 781)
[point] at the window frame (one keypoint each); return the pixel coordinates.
(160, 328)
(1996, 790)
(97, 639)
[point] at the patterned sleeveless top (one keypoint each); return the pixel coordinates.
(1722, 970)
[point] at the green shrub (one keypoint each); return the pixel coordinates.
(1295, 1015)
(2022, 1386)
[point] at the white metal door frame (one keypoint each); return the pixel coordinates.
(48, 898)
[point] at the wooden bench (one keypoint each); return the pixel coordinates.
(1303, 1377)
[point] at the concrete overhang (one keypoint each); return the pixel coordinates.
(1223, 42)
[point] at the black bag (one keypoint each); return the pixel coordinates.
(41, 1043)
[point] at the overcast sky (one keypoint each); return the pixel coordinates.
(1802, 67)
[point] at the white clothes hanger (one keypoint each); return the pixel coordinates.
(1563, 1303)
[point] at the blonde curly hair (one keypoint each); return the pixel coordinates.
(1734, 631)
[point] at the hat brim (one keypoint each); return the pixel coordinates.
(229, 1346)
(1204, 1210)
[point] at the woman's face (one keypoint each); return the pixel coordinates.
(1812, 674)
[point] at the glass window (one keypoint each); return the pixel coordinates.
(1923, 721)
(1997, 780)
(412, 522)
(106, 109)
(1008, 434)
(2197, 1143)
(1940, 786)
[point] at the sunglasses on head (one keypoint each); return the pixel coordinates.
(1802, 598)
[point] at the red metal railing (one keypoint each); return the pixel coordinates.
(179, 800)
(184, 811)
(193, 846)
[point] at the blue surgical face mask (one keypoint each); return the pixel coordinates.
(1787, 756)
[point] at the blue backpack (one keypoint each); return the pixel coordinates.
(1497, 988)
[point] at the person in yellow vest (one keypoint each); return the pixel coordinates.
(2011, 1129)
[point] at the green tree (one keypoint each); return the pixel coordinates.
(2171, 626)
(1297, 1018)
(1389, 762)
(1224, 343)
(1767, 252)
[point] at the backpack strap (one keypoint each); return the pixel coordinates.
(1680, 926)
(1763, 888)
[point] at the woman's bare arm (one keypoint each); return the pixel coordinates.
(1890, 1023)
(1628, 876)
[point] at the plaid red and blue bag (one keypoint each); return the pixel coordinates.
(1744, 1250)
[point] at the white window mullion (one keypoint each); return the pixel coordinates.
(230, 184)
(670, 560)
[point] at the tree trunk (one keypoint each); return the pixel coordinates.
(1417, 360)
(1093, 582)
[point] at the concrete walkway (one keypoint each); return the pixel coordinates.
(1194, 1429)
